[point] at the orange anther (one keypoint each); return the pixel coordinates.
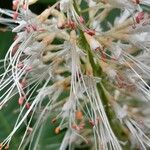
(1, 146)
(57, 130)
(7, 146)
(79, 115)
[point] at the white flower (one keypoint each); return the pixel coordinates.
(101, 70)
(141, 40)
(126, 4)
(64, 5)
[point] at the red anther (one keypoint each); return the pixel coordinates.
(15, 48)
(58, 7)
(120, 81)
(72, 24)
(103, 56)
(137, 20)
(90, 32)
(25, 6)
(139, 17)
(81, 19)
(15, 15)
(145, 23)
(29, 69)
(136, 2)
(15, 4)
(20, 65)
(134, 26)
(40, 30)
(82, 126)
(28, 28)
(21, 100)
(103, 53)
(113, 58)
(92, 123)
(15, 38)
(76, 127)
(34, 27)
(62, 26)
(27, 105)
(23, 83)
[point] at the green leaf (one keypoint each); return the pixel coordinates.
(48, 1)
(6, 39)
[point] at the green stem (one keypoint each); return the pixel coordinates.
(97, 71)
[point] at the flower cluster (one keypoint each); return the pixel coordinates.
(73, 64)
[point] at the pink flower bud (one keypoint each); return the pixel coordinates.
(15, 15)
(81, 19)
(28, 106)
(15, 4)
(21, 100)
(23, 83)
(139, 17)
